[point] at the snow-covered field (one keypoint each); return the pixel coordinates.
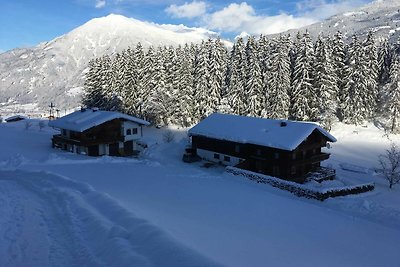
(63, 209)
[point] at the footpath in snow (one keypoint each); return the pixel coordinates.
(48, 220)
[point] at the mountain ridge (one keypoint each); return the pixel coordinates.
(54, 71)
(382, 17)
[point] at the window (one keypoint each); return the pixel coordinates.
(216, 156)
(64, 132)
(293, 170)
(276, 171)
(258, 152)
(134, 130)
(227, 158)
(294, 156)
(128, 132)
(276, 155)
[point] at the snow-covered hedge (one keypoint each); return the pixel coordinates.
(299, 189)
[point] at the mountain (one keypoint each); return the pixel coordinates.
(380, 16)
(54, 71)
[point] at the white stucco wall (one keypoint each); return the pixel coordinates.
(131, 125)
(209, 155)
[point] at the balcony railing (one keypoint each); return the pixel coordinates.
(311, 159)
(322, 174)
(86, 142)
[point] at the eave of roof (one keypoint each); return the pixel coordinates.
(257, 131)
(80, 121)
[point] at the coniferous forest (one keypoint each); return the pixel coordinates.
(282, 78)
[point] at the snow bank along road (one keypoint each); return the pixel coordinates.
(47, 220)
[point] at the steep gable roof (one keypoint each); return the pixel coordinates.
(84, 119)
(280, 134)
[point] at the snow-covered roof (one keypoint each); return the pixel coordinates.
(84, 119)
(16, 117)
(258, 131)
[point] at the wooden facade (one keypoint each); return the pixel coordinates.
(289, 165)
(109, 138)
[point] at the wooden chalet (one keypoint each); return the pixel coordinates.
(288, 150)
(96, 132)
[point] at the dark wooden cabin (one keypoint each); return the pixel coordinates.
(95, 132)
(285, 149)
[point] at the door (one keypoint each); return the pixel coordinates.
(128, 147)
(93, 150)
(113, 149)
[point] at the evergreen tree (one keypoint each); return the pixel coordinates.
(371, 73)
(338, 63)
(325, 83)
(354, 110)
(304, 98)
(278, 79)
(92, 93)
(384, 60)
(254, 85)
(183, 82)
(393, 88)
(217, 67)
(149, 83)
(201, 77)
(236, 79)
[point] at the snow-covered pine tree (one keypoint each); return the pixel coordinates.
(236, 78)
(132, 79)
(157, 104)
(149, 82)
(254, 84)
(115, 89)
(338, 63)
(183, 85)
(277, 79)
(371, 73)
(384, 61)
(200, 85)
(217, 68)
(304, 98)
(105, 97)
(264, 53)
(393, 93)
(92, 93)
(169, 92)
(294, 50)
(354, 111)
(325, 83)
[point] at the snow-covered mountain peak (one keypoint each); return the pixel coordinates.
(52, 70)
(381, 17)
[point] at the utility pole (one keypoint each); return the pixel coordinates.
(52, 106)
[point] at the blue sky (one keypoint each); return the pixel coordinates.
(25, 23)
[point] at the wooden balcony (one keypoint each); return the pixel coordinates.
(322, 174)
(57, 139)
(311, 159)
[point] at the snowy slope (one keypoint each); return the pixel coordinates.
(380, 16)
(52, 221)
(228, 219)
(54, 71)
